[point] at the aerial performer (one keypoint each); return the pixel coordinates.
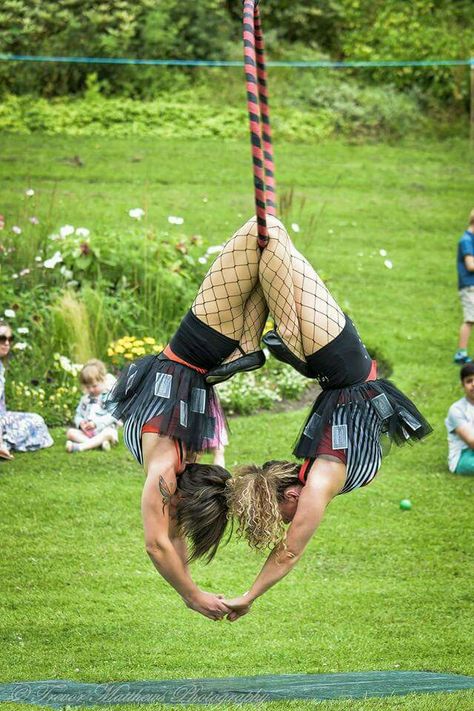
(340, 441)
(171, 414)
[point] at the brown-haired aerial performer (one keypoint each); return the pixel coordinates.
(172, 413)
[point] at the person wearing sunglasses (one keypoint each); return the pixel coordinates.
(19, 431)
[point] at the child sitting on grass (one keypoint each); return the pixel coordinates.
(460, 426)
(94, 426)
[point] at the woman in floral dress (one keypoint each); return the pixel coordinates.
(20, 431)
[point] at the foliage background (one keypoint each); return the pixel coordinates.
(311, 103)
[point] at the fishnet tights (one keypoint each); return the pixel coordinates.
(244, 282)
(230, 299)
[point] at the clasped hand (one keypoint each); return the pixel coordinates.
(239, 606)
(215, 607)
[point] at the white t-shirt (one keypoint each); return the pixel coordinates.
(460, 413)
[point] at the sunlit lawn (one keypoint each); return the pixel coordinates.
(378, 588)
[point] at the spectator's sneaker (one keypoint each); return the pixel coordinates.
(461, 358)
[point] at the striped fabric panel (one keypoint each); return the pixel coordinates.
(132, 431)
(364, 454)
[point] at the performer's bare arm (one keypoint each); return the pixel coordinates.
(160, 486)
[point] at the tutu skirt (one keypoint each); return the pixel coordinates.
(185, 407)
(379, 403)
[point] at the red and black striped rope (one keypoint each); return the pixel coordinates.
(259, 118)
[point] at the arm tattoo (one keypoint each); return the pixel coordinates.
(165, 492)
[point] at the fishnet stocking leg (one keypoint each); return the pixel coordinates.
(255, 317)
(306, 315)
(231, 280)
(320, 317)
(276, 278)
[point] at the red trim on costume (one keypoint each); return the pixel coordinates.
(153, 426)
(373, 372)
(172, 356)
(303, 470)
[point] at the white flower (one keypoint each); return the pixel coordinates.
(65, 363)
(52, 261)
(14, 276)
(9, 313)
(67, 273)
(388, 264)
(175, 220)
(34, 220)
(82, 232)
(204, 199)
(23, 330)
(137, 213)
(16, 229)
(202, 260)
(38, 259)
(65, 231)
(24, 272)
(30, 192)
(295, 227)
(214, 249)
(20, 346)
(383, 252)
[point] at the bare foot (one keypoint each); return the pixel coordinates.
(5, 454)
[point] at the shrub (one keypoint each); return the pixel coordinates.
(247, 392)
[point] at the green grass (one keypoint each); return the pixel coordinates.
(378, 588)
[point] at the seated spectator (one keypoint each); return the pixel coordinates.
(460, 426)
(19, 431)
(94, 426)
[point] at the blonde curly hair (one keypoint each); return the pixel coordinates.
(254, 495)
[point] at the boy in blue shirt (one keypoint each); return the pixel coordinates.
(465, 264)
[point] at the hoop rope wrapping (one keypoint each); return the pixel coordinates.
(259, 118)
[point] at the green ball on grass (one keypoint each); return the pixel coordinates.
(405, 504)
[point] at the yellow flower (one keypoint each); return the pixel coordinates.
(149, 341)
(129, 356)
(120, 349)
(110, 352)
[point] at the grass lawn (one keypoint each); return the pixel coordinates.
(378, 588)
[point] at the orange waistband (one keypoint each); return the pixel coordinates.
(373, 372)
(172, 356)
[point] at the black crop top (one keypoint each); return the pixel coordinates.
(343, 362)
(198, 344)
